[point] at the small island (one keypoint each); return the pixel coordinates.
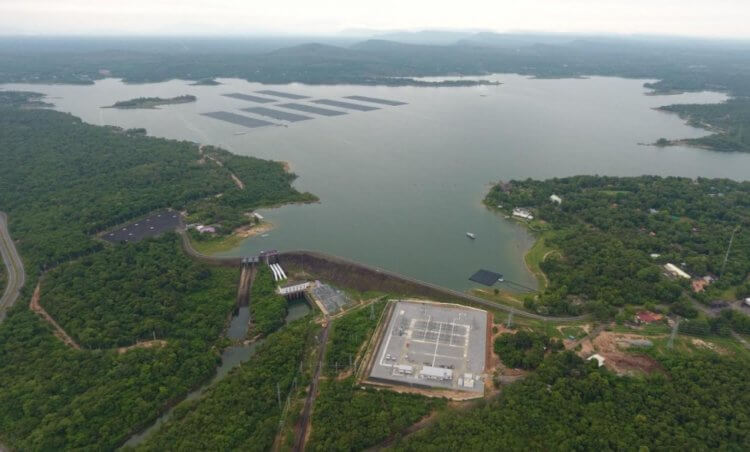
(152, 102)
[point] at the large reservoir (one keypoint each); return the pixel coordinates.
(402, 183)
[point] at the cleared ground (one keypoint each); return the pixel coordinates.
(433, 345)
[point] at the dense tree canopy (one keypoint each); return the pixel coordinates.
(268, 308)
(701, 403)
(241, 412)
(149, 290)
(57, 398)
(607, 229)
(347, 335)
(524, 349)
(348, 418)
(63, 180)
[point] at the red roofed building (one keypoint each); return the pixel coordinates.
(648, 317)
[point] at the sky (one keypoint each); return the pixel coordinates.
(706, 18)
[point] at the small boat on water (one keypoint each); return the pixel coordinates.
(471, 235)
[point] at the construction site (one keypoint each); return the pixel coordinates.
(431, 346)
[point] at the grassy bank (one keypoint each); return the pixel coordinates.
(535, 256)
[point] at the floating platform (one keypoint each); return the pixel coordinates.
(250, 97)
(375, 100)
(276, 114)
(486, 277)
(271, 92)
(349, 105)
(311, 109)
(234, 118)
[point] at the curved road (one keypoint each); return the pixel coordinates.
(14, 268)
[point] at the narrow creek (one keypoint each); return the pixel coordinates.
(232, 357)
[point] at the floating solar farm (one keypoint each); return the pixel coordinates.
(284, 112)
(432, 345)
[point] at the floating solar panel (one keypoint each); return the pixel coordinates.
(251, 98)
(375, 100)
(238, 119)
(276, 114)
(486, 277)
(349, 105)
(311, 109)
(271, 92)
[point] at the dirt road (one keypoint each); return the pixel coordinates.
(304, 422)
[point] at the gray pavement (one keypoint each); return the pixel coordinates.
(16, 276)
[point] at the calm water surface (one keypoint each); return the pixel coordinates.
(401, 186)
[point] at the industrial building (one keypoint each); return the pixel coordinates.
(432, 345)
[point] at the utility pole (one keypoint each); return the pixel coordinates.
(510, 319)
(729, 249)
(278, 394)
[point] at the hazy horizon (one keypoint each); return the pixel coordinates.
(723, 19)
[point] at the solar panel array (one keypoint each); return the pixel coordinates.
(281, 111)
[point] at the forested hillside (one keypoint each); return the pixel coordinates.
(149, 290)
(699, 403)
(63, 180)
(56, 398)
(606, 230)
(348, 418)
(730, 122)
(267, 307)
(241, 412)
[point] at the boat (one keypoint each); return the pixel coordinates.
(471, 235)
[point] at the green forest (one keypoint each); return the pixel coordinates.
(268, 308)
(348, 333)
(152, 102)
(348, 418)
(696, 403)
(607, 229)
(81, 179)
(730, 122)
(58, 398)
(62, 182)
(241, 412)
(525, 349)
(149, 290)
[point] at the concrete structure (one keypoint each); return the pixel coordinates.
(556, 199)
(294, 288)
(599, 359)
(432, 345)
(525, 214)
(747, 301)
(676, 271)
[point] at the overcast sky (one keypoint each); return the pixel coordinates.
(722, 18)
